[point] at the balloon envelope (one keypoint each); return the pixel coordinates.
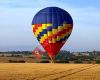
(52, 26)
(37, 52)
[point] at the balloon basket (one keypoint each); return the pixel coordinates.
(52, 60)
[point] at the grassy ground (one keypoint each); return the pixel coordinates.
(49, 71)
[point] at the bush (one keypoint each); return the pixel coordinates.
(12, 61)
(98, 61)
(78, 61)
(15, 61)
(44, 61)
(62, 61)
(21, 61)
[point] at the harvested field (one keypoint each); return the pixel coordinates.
(49, 71)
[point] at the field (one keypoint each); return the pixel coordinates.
(49, 71)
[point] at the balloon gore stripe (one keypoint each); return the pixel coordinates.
(46, 31)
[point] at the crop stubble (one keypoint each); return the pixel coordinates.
(49, 71)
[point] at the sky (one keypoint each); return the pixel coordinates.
(16, 18)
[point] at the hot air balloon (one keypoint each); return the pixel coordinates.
(52, 26)
(37, 52)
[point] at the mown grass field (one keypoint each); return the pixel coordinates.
(49, 71)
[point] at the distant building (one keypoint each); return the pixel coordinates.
(81, 53)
